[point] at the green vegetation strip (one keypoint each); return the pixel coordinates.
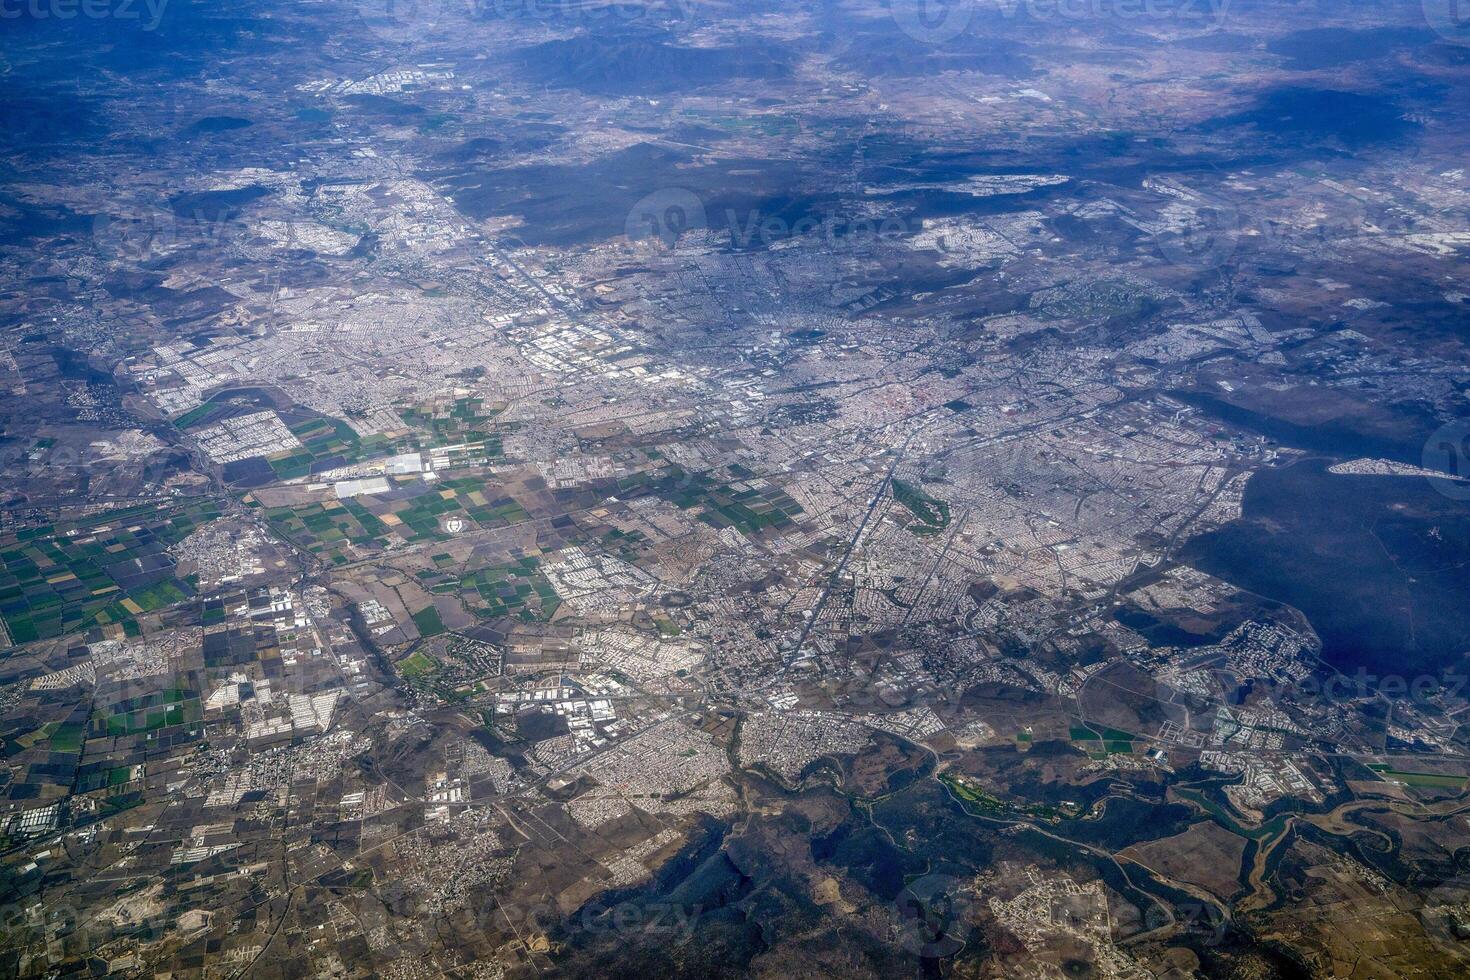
(933, 514)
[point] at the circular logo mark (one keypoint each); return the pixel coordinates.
(665, 215)
(1207, 241)
(401, 21)
(935, 916)
(1198, 921)
(1450, 19)
(932, 21)
(138, 236)
(454, 525)
(1448, 451)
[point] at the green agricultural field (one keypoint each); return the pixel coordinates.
(1431, 780)
(342, 530)
(513, 589)
(417, 665)
(749, 509)
(326, 443)
(151, 718)
(77, 577)
(67, 737)
(196, 415)
(1080, 733)
(481, 504)
(460, 422)
(428, 622)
